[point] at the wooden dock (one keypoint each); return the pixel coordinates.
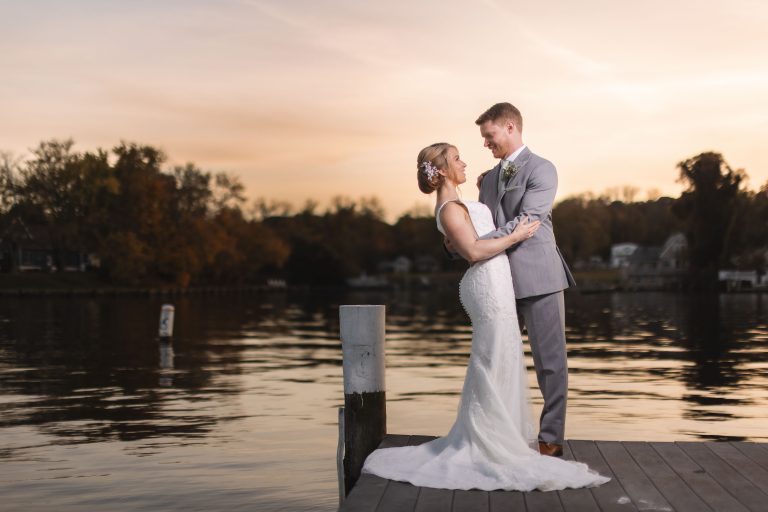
(681, 477)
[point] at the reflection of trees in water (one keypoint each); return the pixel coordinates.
(710, 339)
(720, 335)
(718, 332)
(91, 368)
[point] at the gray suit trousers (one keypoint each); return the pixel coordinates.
(544, 317)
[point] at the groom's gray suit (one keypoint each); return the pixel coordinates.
(539, 275)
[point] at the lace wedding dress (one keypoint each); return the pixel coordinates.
(490, 446)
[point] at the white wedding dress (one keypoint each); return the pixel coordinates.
(490, 445)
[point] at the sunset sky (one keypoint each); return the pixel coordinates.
(306, 99)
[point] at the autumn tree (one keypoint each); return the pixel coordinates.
(708, 208)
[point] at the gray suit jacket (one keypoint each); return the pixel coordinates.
(537, 266)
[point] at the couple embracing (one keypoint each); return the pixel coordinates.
(516, 269)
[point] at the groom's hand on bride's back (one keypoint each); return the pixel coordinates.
(450, 251)
(480, 178)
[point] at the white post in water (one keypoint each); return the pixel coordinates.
(365, 408)
(166, 321)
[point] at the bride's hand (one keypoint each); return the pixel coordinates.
(480, 179)
(525, 229)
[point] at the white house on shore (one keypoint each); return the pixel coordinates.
(672, 255)
(622, 253)
(741, 279)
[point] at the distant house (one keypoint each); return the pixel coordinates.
(366, 281)
(655, 268)
(621, 253)
(674, 253)
(400, 265)
(426, 264)
(739, 279)
(26, 248)
(645, 258)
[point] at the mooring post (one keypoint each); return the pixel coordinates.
(365, 408)
(166, 322)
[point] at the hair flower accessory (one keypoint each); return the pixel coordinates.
(429, 169)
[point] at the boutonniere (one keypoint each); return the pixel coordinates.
(508, 170)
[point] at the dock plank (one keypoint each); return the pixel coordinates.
(538, 501)
(669, 483)
(741, 463)
(739, 487)
(638, 486)
(369, 489)
(470, 501)
(506, 501)
(400, 496)
(394, 440)
(610, 496)
(431, 499)
(704, 485)
(679, 477)
(366, 494)
(434, 500)
(757, 453)
(576, 500)
(414, 440)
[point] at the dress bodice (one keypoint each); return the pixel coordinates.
(479, 214)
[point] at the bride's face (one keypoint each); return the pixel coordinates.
(455, 171)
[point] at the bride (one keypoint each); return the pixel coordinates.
(490, 446)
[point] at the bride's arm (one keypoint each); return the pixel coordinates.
(459, 230)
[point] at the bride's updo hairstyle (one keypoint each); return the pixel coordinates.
(430, 159)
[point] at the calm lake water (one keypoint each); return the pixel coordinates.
(240, 412)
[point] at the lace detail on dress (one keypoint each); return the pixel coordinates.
(491, 444)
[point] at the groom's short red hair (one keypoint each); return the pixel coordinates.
(502, 112)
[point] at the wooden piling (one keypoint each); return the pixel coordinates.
(166, 322)
(365, 418)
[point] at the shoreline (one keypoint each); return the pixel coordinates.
(88, 285)
(109, 291)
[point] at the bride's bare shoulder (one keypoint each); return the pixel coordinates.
(452, 205)
(453, 209)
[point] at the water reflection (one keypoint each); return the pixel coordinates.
(166, 363)
(717, 346)
(249, 384)
(87, 360)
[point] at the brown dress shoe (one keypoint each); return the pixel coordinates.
(551, 449)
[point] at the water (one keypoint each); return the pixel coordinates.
(240, 412)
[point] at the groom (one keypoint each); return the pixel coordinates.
(524, 185)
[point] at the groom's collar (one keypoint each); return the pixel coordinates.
(511, 158)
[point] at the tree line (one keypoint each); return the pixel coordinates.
(724, 223)
(149, 223)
